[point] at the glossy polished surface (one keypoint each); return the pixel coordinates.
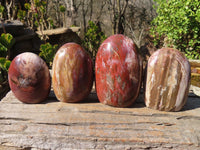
(118, 71)
(72, 75)
(168, 80)
(29, 78)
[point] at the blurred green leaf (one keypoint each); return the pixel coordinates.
(4, 64)
(3, 50)
(62, 8)
(7, 64)
(93, 38)
(7, 40)
(47, 52)
(2, 9)
(27, 6)
(21, 14)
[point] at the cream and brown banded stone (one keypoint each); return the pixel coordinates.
(167, 80)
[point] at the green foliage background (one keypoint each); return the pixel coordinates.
(179, 21)
(6, 42)
(47, 52)
(93, 39)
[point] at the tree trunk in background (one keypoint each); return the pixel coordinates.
(84, 13)
(117, 10)
(120, 23)
(72, 12)
(8, 7)
(91, 9)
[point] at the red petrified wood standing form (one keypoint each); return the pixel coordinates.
(72, 75)
(168, 80)
(118, 71)
(29, 78)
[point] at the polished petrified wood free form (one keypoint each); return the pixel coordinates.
(72, 73)
(118, 71)
(29, 78)
(167, 81)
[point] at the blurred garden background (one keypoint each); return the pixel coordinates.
(151, 24)
(94, 20)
